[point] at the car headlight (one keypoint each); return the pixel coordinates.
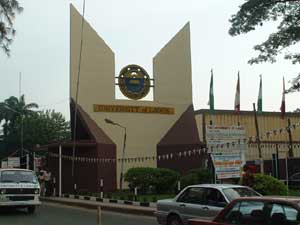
(2, 191)
(37, 191)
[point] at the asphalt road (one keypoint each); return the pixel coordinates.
(54, 214)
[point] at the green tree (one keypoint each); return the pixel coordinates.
(196, 176)
(295, 85)
(254, 13)
(8, 11)
(12, 110)
(268, 185)
(45, 127)
(39, 127)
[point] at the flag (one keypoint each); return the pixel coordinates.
(211, 102)
(282, 107)
(259, 100)
(237, 95)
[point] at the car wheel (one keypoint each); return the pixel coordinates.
(174, 220)
(31, 209)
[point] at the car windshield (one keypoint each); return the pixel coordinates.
(16, 176)
(233, 193)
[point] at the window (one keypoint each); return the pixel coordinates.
(262, 213)
(246, 213)
(295, 176)
(284, 214)
(18, 176)
(192, 195)
(233, 193)
(215, 198)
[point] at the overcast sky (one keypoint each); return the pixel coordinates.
(136, 30)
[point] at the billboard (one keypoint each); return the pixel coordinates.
(227, 166)
(3, 164)
(226, 139)
(13, 162)
(227, 146)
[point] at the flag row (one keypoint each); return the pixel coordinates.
(169, 156)
(181, 154)
(237, 104)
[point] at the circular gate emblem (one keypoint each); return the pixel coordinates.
(134, 82)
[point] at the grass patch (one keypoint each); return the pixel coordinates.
(293, 192)
(129, 196)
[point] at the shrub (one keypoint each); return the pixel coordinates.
(268, 185)
(154, 199)
(165, 180)
(108, 195)
(196, 176)
(142, 178)
(148, 179)
(130, 197)
(145, 199)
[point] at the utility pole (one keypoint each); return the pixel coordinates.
(258, 140)
(291, 153)
(20, 84)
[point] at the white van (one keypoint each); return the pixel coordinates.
(19, 188)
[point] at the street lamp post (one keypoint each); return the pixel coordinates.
(123, 152)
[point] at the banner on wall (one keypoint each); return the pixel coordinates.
(226, 139)
(227, 166)
(13, 162)
(3, 164)
(227, 149)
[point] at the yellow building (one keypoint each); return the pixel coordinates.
(162, 126)
(272, 130)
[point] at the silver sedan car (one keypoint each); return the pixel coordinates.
(203, 200)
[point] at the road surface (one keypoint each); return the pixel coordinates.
(55, 214)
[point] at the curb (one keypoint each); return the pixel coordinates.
(94, 204)
(122, 202)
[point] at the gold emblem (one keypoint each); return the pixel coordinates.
(134, 82)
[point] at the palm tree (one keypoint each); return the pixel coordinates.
(18, 106)
(11, 112)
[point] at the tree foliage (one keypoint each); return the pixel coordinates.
(12, 109)
(39, 127)
(8, 11)
(295, 85)
(255, 13)
(267, 185)
(146, 179)
(196, 176)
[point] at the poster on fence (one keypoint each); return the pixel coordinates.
(3, 164)
(226, 139)
(227, 146)
(227, 165)
(13, 162)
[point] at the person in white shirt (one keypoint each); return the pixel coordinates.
(42, 181)
(47, 176)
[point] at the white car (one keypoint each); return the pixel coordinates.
(203, 200)
(19, 188)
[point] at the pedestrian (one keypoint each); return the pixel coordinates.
(48, 182)
(42, 181)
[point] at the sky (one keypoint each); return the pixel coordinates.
(136, 30)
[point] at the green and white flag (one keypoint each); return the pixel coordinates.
(259, 100)
(211, 102)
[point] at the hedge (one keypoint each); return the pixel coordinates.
(146, 179)
(268, 185)
(196, 176)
